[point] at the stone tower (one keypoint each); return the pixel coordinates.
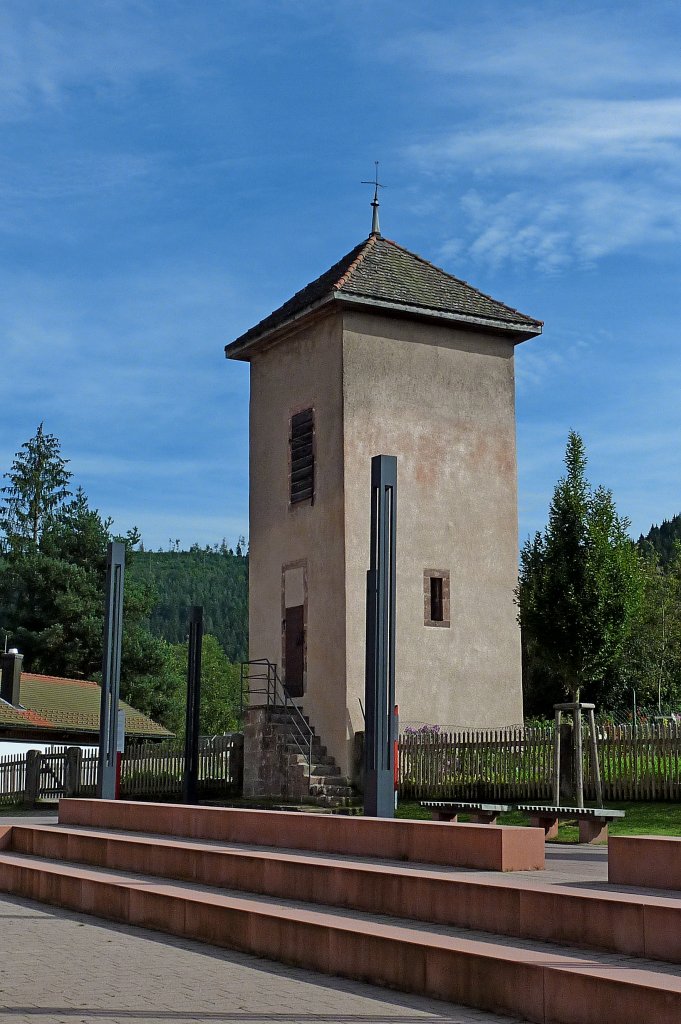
(386, 354)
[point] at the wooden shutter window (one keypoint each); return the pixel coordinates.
(302, 456)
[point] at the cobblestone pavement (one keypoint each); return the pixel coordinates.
(66, 968)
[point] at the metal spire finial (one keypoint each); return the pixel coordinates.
(375, 227)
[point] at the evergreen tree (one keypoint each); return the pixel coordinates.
(664, 540)
(215, 577)
(52, 576)
(580, 586)
(37, 487)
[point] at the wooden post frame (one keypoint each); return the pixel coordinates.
(576, 709)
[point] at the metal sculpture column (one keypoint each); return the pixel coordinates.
(379, 789)
(191, 736)
(111, 670)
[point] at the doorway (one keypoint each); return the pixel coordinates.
(294, 628)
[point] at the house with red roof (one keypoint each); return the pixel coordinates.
(43, 709)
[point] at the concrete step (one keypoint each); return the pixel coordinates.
(327, 789)
(634, 924)
(320, 766)
(321, 776)
(335, 801)
(534, 980)
(289, 731)
(283, 716)
(295, 742)
(490, 848)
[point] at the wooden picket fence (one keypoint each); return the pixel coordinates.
(640, 762)
(148, 772)
(12, 778)
(156, 770)
(501, 764)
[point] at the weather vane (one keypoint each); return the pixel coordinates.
(375, 228)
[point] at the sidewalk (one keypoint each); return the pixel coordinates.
(58, 967)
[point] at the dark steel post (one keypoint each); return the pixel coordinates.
(191, 735)
(379, 786)
(111, 669)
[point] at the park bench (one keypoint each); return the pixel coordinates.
(449, 810)
(593, 821)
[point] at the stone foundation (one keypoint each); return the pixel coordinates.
(269, 770)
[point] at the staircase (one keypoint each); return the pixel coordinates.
(511, 944)
(311, 773)
(312, 768)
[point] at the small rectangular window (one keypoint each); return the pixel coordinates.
(302, 456)
(436, 601)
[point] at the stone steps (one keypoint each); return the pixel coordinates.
(559, 914)
(392, 925)
(325, 766)
(554, 913)
(327, 788)
(487, 848)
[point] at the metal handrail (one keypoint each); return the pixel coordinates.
(276, 696)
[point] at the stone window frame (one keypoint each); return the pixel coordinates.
(444, 575)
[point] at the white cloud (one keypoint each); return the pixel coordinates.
(552, 227)
(528, 47)
(575, 132)
(54, 47)
(563, 134)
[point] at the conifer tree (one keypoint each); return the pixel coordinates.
(580, 585)
(37, 487)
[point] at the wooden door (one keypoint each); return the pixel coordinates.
(295, 650)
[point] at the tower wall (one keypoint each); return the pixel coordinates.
(303, 370)
(442, 400)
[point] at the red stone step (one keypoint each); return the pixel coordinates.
(486, 847)
(535, 981)
(650, 861)
(637, 925)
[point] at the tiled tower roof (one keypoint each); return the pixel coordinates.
(382, 274)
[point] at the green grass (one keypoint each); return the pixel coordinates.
(20, 810)
(661, 819)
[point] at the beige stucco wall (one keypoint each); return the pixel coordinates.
(302, 370)
(442, 400)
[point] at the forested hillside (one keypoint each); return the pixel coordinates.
(663, 539)
(214, 577)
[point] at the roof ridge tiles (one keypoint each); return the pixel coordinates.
(58, 679)
(340, 283)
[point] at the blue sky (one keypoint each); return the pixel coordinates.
(170, 172)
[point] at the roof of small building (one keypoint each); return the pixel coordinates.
(51, 703)
(378, 272)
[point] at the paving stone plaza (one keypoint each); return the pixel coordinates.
(63, 965)
(68, 968)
